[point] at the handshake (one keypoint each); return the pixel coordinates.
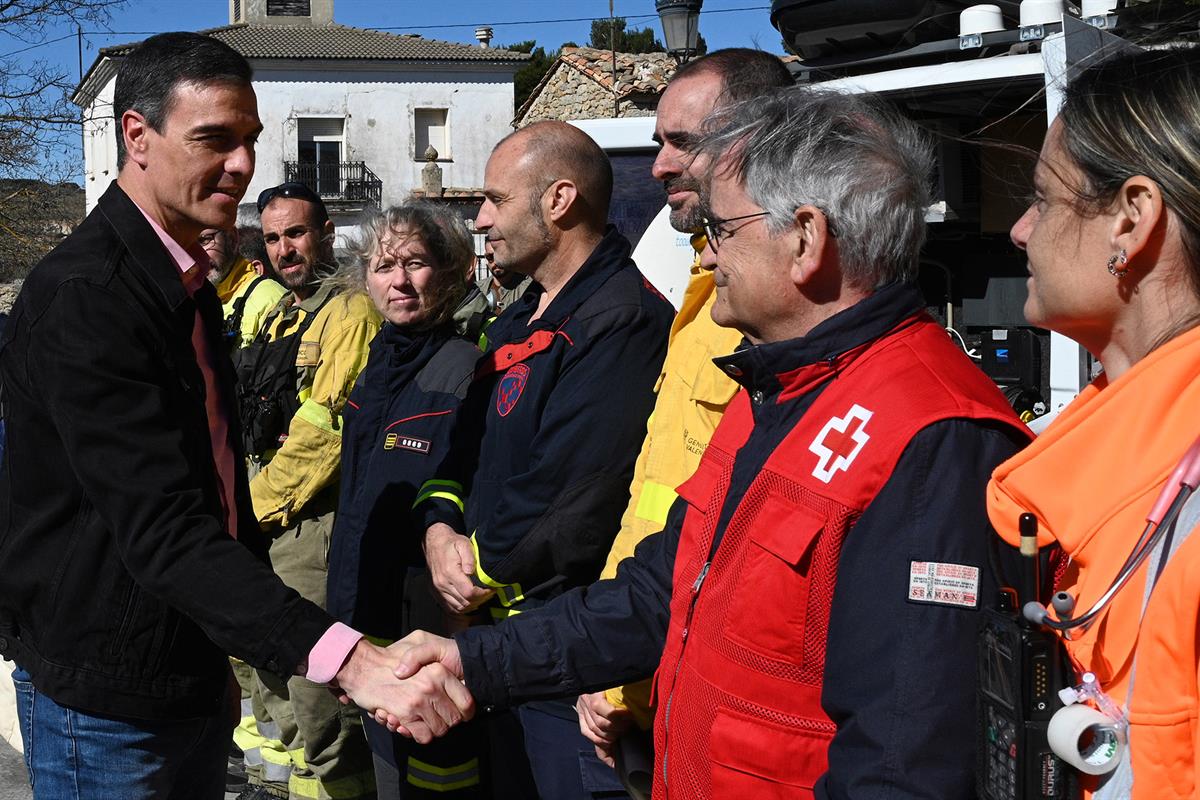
(413, 687)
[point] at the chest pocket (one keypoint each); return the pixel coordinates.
(779, 607)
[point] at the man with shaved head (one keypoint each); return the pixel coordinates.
(528, 503)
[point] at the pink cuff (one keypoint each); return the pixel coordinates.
(330, 652)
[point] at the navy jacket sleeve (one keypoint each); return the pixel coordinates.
(900, 675)
(588, 639)
(558, 518)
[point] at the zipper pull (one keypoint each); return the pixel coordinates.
(700, 578)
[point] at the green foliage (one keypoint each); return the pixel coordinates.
(527, 77)
(640, 40)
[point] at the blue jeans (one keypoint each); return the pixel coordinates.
(72, 755)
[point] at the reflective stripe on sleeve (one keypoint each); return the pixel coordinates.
(446, 490)
(655, 502)
(507, 593)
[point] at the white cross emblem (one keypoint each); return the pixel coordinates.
(839, 442)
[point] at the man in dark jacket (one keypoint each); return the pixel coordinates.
(127, 541)
(552, 426)
(813, 601)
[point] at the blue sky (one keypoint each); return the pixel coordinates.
(724, 23)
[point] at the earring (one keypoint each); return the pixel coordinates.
(1121, 258)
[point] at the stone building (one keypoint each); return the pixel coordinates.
(580, 86)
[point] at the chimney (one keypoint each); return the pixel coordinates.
(484, 34)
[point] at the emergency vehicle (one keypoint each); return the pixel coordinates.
(985, 81)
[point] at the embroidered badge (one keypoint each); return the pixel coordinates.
(840, 442)
(943, 584)
(394, 440)
(511, 386)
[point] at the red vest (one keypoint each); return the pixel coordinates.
(738, 690)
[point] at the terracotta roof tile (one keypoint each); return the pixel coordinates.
(637, 73)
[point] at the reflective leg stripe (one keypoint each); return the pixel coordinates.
(270, 731)
(509, 594)
(655, 502)
(297, 757)
(443, 779)
(276, 763)
(253, 757)
(246, 735)
(352, 787)
(446, 490)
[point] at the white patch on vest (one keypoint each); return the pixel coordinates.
(839, 443)
(943, 584)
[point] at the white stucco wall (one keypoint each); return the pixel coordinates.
(376, 100)
(377, 105)
(99, 145)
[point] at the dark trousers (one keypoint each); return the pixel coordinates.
(564, 763)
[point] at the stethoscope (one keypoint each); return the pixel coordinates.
(1179, 487)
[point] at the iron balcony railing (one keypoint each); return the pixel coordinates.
(348, 181)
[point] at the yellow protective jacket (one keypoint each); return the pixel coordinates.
(265, 296)
(1091, 478)
(332, 353)
(692, 396)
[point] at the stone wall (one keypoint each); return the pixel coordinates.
(8, 295)
(569, 94)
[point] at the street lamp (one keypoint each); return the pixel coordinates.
(681, 26)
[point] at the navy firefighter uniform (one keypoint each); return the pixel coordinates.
(813, 602)
(398, 425)
(540, 472)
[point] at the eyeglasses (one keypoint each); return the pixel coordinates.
(715, 229)
(208, 238)
(297, 190)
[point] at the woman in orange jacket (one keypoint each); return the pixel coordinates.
(1113, 241)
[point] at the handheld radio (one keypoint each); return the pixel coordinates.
(1022, 666)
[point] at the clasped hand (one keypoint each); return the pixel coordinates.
(414, 686)
(451, 563)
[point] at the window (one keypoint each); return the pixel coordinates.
(319, 151)
(288, 8)
(431, 130)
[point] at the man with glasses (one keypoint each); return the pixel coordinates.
(294, 379)
(813, 602)
(692, 392)
(245, 294)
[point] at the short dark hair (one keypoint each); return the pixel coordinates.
(251, 245)
(294, 191)
(149, 75)
(744, 72)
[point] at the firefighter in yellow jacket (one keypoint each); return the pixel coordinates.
(246, 294)
(294, 379)
(692, 392)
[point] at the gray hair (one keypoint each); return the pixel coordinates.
(866, 167)
(444, 234)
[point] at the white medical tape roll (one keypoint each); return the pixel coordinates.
(1088, 740)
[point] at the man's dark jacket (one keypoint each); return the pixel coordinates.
(551, 428)
(120, 587)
